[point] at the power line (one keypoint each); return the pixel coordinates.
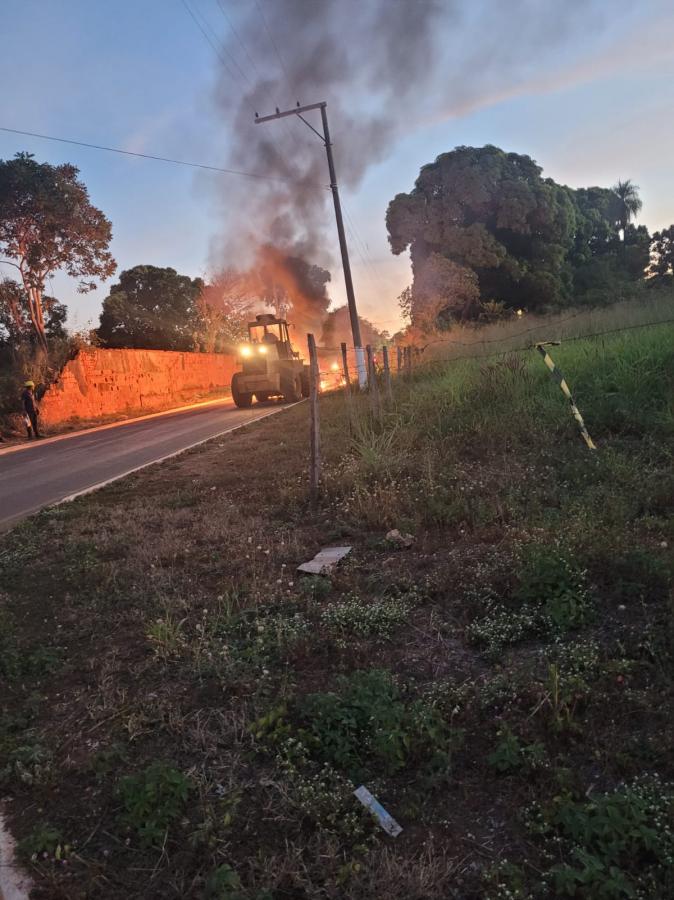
(217, 45)
(273, 43)
(224, 12)
(201, 28)
(166, 159)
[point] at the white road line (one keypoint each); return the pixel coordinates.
(55, 438)
(154, 462)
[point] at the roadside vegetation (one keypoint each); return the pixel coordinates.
(185, 717)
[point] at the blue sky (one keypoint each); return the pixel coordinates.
(587, 93)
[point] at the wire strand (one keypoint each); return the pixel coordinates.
(166, 159)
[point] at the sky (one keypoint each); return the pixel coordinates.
(585, 88)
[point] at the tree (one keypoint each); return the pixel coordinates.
(15, 322)
(223, 309)
(662, 253)
(488, 234)
(47, 223)
(628, 203)
(337, 329)
(483, 225)
(151, 308)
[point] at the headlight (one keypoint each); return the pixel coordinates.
(262, 349)
(245, 350)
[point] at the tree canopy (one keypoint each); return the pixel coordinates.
(486, 229)
(151, 308)
(47, 223)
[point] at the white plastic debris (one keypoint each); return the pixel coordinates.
(324, 561)
(396, 537)
(385, 819)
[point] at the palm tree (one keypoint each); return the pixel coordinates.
(628, 203)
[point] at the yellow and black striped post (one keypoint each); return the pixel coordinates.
(561, 381)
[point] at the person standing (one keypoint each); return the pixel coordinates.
(30, 410)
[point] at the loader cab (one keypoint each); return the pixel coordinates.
(273, 334)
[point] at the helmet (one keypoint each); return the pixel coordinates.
(29, 384)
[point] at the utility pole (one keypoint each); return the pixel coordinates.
(346, 266)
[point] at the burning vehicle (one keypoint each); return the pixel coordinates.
(271, 367)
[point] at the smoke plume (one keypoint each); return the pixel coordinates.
(365, 59)
(385, 68)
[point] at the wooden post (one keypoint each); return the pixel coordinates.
(372, 381)
(345, 368)
(347, 384)
(408, 362)
(387, 373)
(399, 358)
(314, 384)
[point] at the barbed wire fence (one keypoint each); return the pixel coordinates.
(410, 363)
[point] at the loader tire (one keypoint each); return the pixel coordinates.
(306, 383)
(292, 389)
(242, 399)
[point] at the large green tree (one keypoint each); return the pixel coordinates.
(47, 223)
(483, 225)
(487, 232)
(152, 308)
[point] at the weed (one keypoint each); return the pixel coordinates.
(315, 587)
(152, 800)
(218, 819)
(549, 581)
(320, 792)
(367, 726)
(502, 627)
(510, 755)
(551, 598)
(224, 884)
(356, 618)
(619, 844)
(44, 840)
(28, 763)
(166, 637)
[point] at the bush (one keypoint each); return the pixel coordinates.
(366, 726)
(620, 844)
(152, 800)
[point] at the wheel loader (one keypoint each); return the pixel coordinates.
(271, 367)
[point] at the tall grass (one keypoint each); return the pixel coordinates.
(653, 306)
(454, 415)
(623, 383)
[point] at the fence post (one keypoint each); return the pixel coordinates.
(345, 366)
(372, 378)
(347, 383)
(408, 362)
(387, 373)
(399, 358)
(314, 381)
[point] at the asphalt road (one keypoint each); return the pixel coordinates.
(44, 473)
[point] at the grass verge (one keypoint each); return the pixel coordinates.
(182, 716)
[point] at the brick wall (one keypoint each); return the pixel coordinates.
(101, 383)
